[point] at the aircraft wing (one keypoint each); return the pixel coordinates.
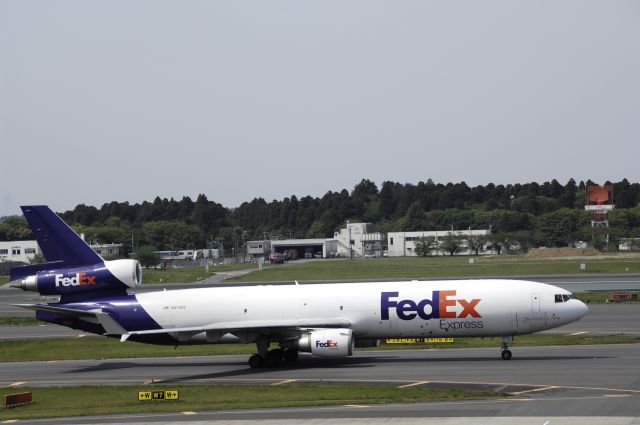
(113, 328)
(248, 326)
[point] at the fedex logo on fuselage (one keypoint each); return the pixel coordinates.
(328, 344)
(441, 306)
(77, 280)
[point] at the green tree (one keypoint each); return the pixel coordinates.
(425, 245)
(317, 229)
(451, 243)
(499, 242)
(147, 256)
(414, 219)
(476, 243)
(523, 238)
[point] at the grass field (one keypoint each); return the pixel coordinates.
(76, 401)
(429, 267)
(4, 279)
(97, 347)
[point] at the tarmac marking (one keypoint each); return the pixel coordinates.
(152, 381)
(9, 421)
(286, 381)
(413, 384)
(356, 406)
(189, 413)
(578, 333)
(534, 390)
(617, 395)
(15, 384)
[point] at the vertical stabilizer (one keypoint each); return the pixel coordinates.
(58, 242)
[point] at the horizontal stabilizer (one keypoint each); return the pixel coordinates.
(21, 272)
(110, 326)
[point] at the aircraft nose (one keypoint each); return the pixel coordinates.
(582, 310)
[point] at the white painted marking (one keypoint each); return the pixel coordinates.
(413, 384)
(617, 395)
(286, 381)
(577, 333)
(189, 413)
(9, 421)
(535, 390)
(357, 406)
(15, 384)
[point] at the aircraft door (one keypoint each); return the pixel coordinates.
(514, 321)
(535, 303)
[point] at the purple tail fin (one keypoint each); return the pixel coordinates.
(59, 243)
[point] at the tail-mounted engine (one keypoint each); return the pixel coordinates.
(106, 276)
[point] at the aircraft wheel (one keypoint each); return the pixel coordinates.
(290, 355)
(506, 355)
(256, 361)
(274, 357)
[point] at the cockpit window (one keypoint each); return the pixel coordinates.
(563, 298)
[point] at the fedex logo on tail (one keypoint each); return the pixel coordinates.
(442, 305)
(80, 279)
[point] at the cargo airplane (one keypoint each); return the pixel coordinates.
(327, 320)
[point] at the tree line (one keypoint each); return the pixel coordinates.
(533, 214)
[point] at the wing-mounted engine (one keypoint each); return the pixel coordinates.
(117, 275)
(327, 342)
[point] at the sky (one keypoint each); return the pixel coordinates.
(126, 100)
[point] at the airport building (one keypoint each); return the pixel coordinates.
(359, 239)
(25, 251)
(402, 244)
(21, 251)
(356, 236)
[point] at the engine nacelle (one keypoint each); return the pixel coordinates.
(327, 342)
(107, 276)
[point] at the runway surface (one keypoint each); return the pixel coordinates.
(598, 380)
(546, 382)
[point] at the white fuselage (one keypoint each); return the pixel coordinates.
(464, 308)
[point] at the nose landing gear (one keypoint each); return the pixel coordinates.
(506, 353)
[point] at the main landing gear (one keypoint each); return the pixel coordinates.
(271, 358)
(506, 353)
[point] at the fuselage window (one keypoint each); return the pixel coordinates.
(565, 297)
(558, 298)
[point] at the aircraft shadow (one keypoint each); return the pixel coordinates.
(303, 363)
